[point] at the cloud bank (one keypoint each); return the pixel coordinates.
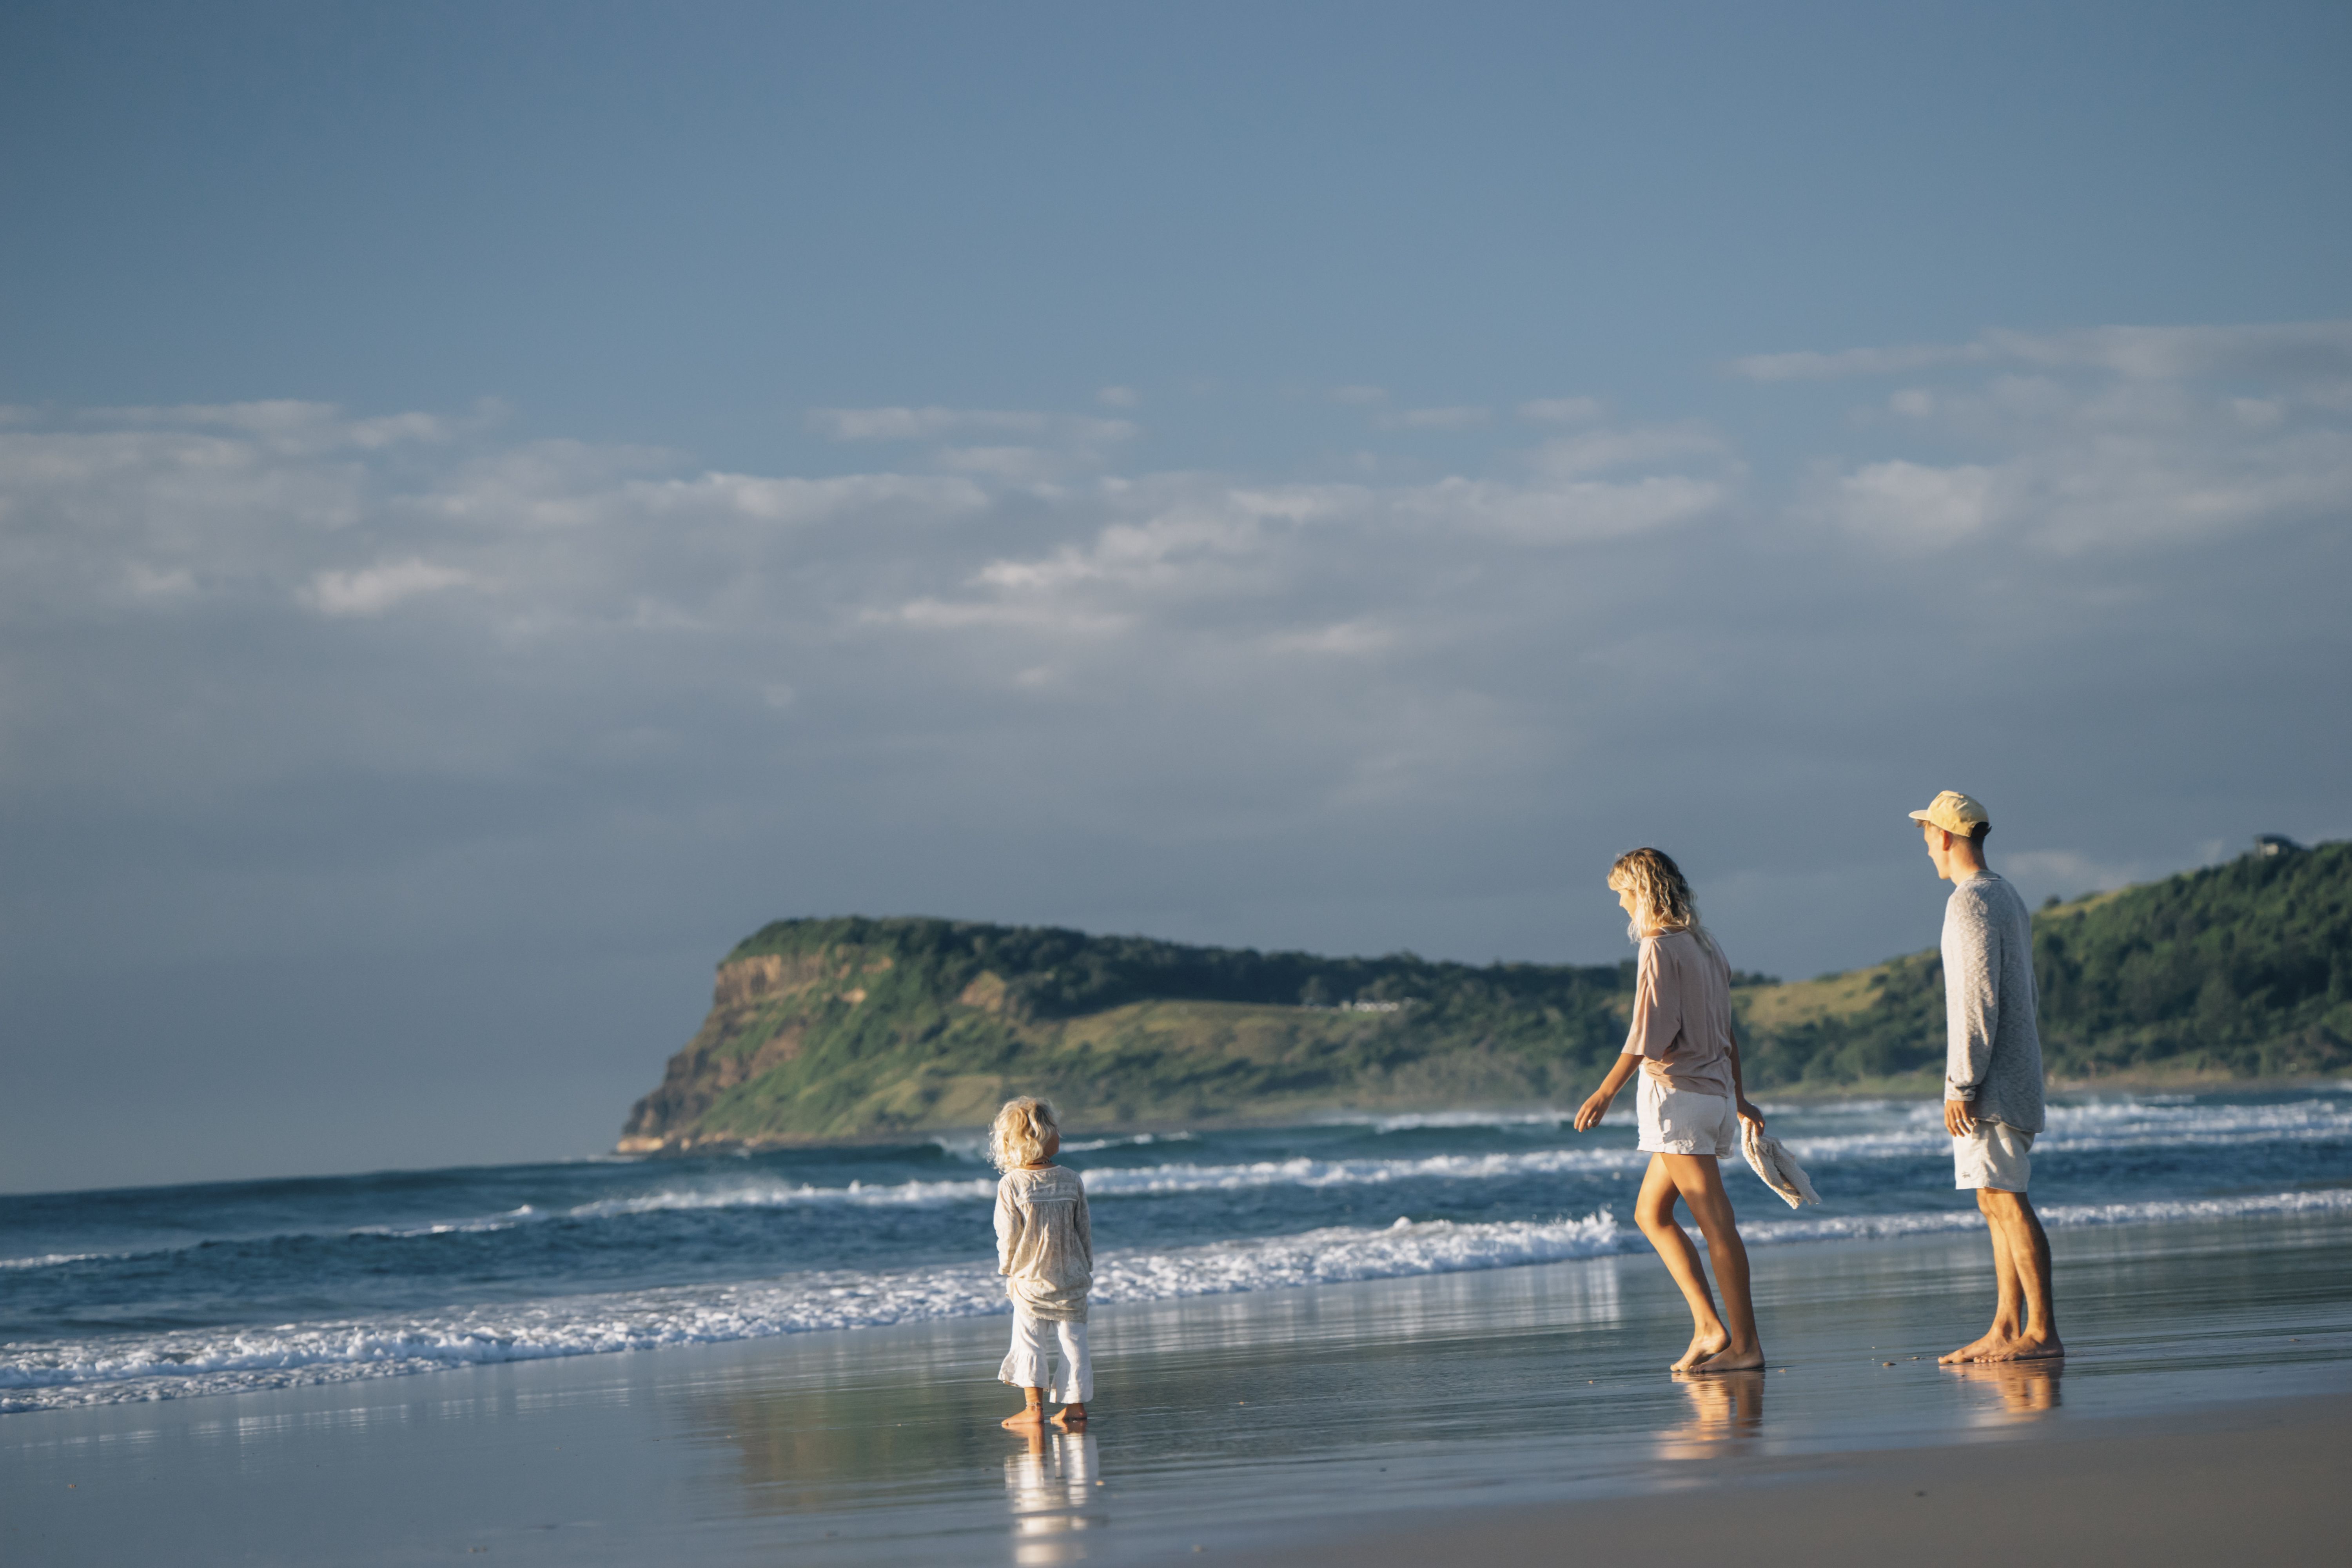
(277, 679)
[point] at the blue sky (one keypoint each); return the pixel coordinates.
(497, 503)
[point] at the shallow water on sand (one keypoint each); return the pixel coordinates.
(1222, 1419)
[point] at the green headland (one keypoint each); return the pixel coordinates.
(853, 1028)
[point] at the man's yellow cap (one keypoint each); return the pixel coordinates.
(1955, 812)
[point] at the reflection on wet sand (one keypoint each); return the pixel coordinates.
(1724, 1407)
(1051, 1487)
(2023, 1387)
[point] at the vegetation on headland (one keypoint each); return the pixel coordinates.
(854, 1027)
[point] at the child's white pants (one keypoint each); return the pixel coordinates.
(1030, 1362)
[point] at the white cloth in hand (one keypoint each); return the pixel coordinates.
(1778, 1168)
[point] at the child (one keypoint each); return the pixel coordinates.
(1045, 1250)
(1691, 1103)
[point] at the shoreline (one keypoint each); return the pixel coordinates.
(1909, 1086)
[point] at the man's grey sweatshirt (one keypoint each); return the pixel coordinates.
(1993, 1052)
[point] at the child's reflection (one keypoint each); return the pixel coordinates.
(1051, 1490)
(1724, 1407)
(2025, 1388)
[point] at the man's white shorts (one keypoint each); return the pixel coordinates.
(1681, 1121)
(1995, 1155)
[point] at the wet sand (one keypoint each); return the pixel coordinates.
(1290, 1425)
(2255, 1483)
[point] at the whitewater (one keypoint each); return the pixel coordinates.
(172, 1292)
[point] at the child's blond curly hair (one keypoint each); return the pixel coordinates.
(1021, 1132)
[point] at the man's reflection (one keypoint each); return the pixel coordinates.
(1052, 1491)
(2024, 1387)
(1724, 1407)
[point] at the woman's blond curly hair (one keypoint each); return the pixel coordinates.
(1662, 895)
(1021, 1132)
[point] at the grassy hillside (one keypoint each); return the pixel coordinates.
(865, 1027)
(856, 1027)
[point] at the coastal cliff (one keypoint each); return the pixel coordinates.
(855, 1028)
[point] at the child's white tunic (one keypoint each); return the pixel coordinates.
(1045, 1242)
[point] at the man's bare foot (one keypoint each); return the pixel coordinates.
(1073, 1419)
(1703, 1345)
(1727, 1360)
(2029, 1348)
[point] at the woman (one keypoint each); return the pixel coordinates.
(1690, 1104)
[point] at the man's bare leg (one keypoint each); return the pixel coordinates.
(2024, 1320)
(1033, 1416)
(2029, 1259)
(1699, 1179)
(1653, 1211)
(2009, 1301)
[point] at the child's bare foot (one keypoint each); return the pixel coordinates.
(1073, 1419)
(1729, 1360)
(1703, 1345)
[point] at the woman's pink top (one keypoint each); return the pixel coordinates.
(1682, 1013)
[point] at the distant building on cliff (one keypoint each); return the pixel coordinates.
(2270, 845)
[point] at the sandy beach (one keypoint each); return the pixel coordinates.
(1519, 1412)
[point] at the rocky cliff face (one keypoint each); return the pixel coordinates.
(742, 1038)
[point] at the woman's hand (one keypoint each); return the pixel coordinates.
(1589, 1118)
(1749, 1113)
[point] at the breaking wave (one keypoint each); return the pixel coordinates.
(160, 1366)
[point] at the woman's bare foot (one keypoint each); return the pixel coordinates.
(1729, 1360)
(2026, 1347)
(1703, 1344)
(1032, 1414)
(1073, 1419)
(1976, 1350)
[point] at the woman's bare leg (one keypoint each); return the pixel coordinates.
(1698, 1180)
(1653, 1210)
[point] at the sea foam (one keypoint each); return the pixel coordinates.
(160, 1366)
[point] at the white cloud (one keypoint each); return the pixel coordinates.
(371, 590)
(1563, 411)
(935, 424)
(2317, 352)
(1118, 396)
(1808, 364)
(1460, 417)
(1913, 504)
(1561, 514)
(2122, 462)
(1345, 639)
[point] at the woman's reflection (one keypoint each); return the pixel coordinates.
(1724, 1407)
(1052, 1491)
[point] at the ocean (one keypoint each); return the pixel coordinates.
(165, 1292)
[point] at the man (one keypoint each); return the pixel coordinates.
(1992, 1075)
